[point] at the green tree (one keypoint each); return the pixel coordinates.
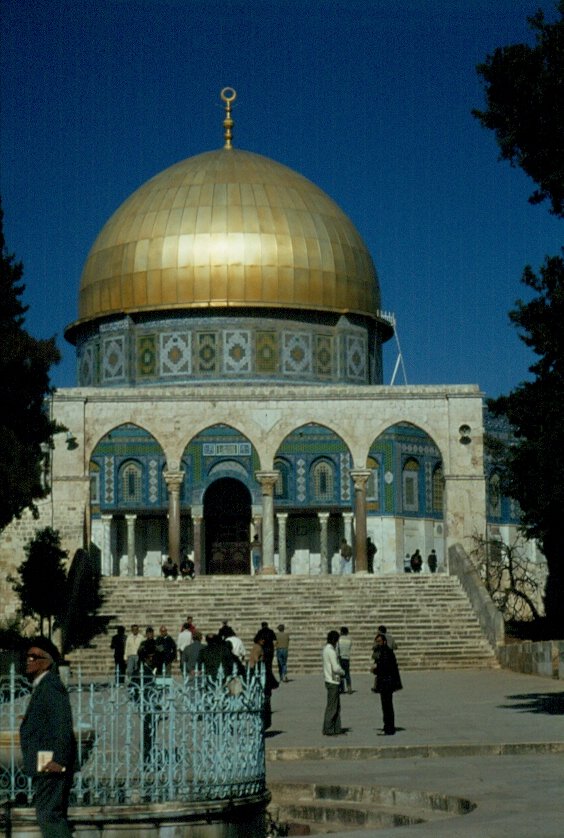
(524, 88)
(535, 464)
(41, 585)
(25, 426)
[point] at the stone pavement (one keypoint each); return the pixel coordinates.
(494, 737)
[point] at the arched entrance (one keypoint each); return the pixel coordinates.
(227, 516)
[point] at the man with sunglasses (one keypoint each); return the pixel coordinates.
(47, 739)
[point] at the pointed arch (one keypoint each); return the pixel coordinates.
(317, 463)
(216, 452)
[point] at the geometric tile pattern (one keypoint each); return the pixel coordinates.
(109, 487)
(296, 353)
(355, 363)
(146, 356)
(267, 352)
(428, 485)
(113, 359)
(236, 351)
(301, 480)
(87, 372)
(153, 481)
(324, 355)
(175, 354)
(206, 352)
(184, 349)
(345, 463)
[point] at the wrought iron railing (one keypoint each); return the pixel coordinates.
(154, 740)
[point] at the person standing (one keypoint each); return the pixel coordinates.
(132, 643)
(191, 653)
(237, 645)
(47, 740)
(225, 629)
(118, 647)
(388, 681)
(256, 554)
(282, 646)
(184, 639)
(345, 552)
(332, 674)
(371, 551)
(416, 562)
(432, 561)
(344, 647)
(165, 652)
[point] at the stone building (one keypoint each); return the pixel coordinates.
(229, 355)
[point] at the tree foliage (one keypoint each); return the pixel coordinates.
(524, 88)
(535, 464)
(66, 601)
(25, 425)
(41, 586)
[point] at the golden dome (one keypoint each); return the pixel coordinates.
(228, 228)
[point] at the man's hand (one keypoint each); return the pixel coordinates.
(53, 767)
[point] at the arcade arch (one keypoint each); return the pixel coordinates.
(405, 497)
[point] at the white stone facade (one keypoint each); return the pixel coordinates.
(451, 416)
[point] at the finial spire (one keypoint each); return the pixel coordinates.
(228, 95)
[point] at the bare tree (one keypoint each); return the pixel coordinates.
(509, 575)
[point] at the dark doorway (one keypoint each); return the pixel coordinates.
(227, 516)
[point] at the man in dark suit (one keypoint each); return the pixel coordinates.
(47, 740)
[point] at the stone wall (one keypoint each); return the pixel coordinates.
(544, 658)
(69, 522)
(490, 618)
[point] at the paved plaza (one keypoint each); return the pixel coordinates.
(493, 737)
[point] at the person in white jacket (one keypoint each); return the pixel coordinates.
(332, 673)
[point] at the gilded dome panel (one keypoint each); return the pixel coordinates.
(228, 227)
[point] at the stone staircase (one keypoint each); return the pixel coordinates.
(429, 615)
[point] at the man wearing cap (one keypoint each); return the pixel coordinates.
(47, 739)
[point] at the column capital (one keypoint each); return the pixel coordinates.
(323, 516)
(173, 480)
(130, 516)
(282, 516)
(360, 477)
(267, 480)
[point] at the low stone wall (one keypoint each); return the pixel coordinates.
(544, 658)
(244, 818)
(490, 618)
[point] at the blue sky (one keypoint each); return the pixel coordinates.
(371, 100)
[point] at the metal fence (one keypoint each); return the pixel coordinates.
(153, 740)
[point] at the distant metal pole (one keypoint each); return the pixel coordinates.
(399, 361)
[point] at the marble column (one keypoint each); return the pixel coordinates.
(282, 518)
(324, 568)
(130, 521)
(348, 528)
(267, 480)
(197, 520)
(360, 478)
(107, 564)
(173, 480)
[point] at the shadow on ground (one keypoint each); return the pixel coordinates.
(551, 704)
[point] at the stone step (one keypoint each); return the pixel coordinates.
(429, 616)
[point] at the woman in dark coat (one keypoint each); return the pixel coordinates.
(387, 681)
